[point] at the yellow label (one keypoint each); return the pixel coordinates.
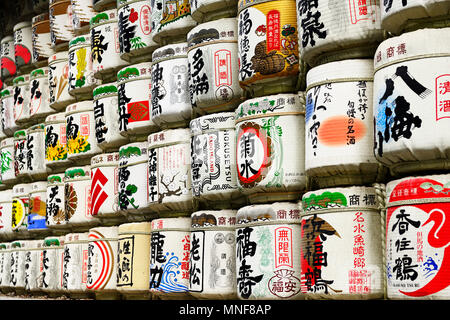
(18, 213)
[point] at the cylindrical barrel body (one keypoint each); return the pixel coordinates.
(341, 240)
(411, 114)
(20, 208)
(133, 264)
(416, 238)
(58, 80)
(270, 150)
(56, 141)
(55, 201)
(82, 12)
(23, 45)
(8, 62)
(169, 258)
(212, 258)
(268, 251)
(21, 88)
(7, 157)
(41, 39)
(6, 214)
(51, 265)
(39, 95)
(61, 28)
(169, 179)
(171, 103)
(214, 66)
(37, 222)
(35, 157)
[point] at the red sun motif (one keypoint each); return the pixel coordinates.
(439, 234)
(133, 16)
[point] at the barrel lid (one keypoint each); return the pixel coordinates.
(170, 51)
(340, 200)
(58, 56)
(135, 227)
(83, 40)
(342, 71)
(7, 39)
(8, 91)
(105, 159)
(103, 233)
(134, 72)
(20, 25)
(35, 128)
(39, 73)
(56, 117)
(55, 178)
(203, 219)
(104, 90)
(38, 186)
(171, 224)
(82, 237)
(20, 134)
(168, 137)
(109, 16)
(86, 105)
(224, 29)
(21, 80)
(21, 188)
(415, 190)
(288, 103)
(264, 213)
(53, 241)
(77, 173)
(5, 195)
(135, 149)
(214, 121)
(418, 44)
(40, 17)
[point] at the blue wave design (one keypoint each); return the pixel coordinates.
(169, 281)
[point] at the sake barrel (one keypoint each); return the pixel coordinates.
(104, 188)
(105, 47)
(410, 108)
(213, 159)
(134, 92)
(268, 47)
(51, 264)
(171, 103)
(37, 208)
(416, 238)
(340, 124)
(7, 157)
(20, 154)
(41, 44)
(135, 30)
(32, 254)
(169, 258)
(268, 251)
(6, 214)
(61, 28)
(133, 264)
(156, 8)
(133, 178)
(17, 280)
(58, 81)
(80, 131)
(209, 10)
(270, 154)
(8, 62)
(75, 262)
(23, 45)
(213, 66)
(9, 124)
(412, 15)
(55, 202)
(5, 267)
(212, 258)
(20, 208)
(102, 263)
(77, 194)
(82, 12)
(21, 87)
(39, 95)
(35, 156)
(338, 30)
(341, 237)
(106, 116)
(101, 5)
(169, 179)
(175, 22)
(81, 73)
(56, 141)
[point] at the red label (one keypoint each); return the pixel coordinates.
(145, 20)
(222, 64)
(139, 111)
(273, 30)
(443, 96)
